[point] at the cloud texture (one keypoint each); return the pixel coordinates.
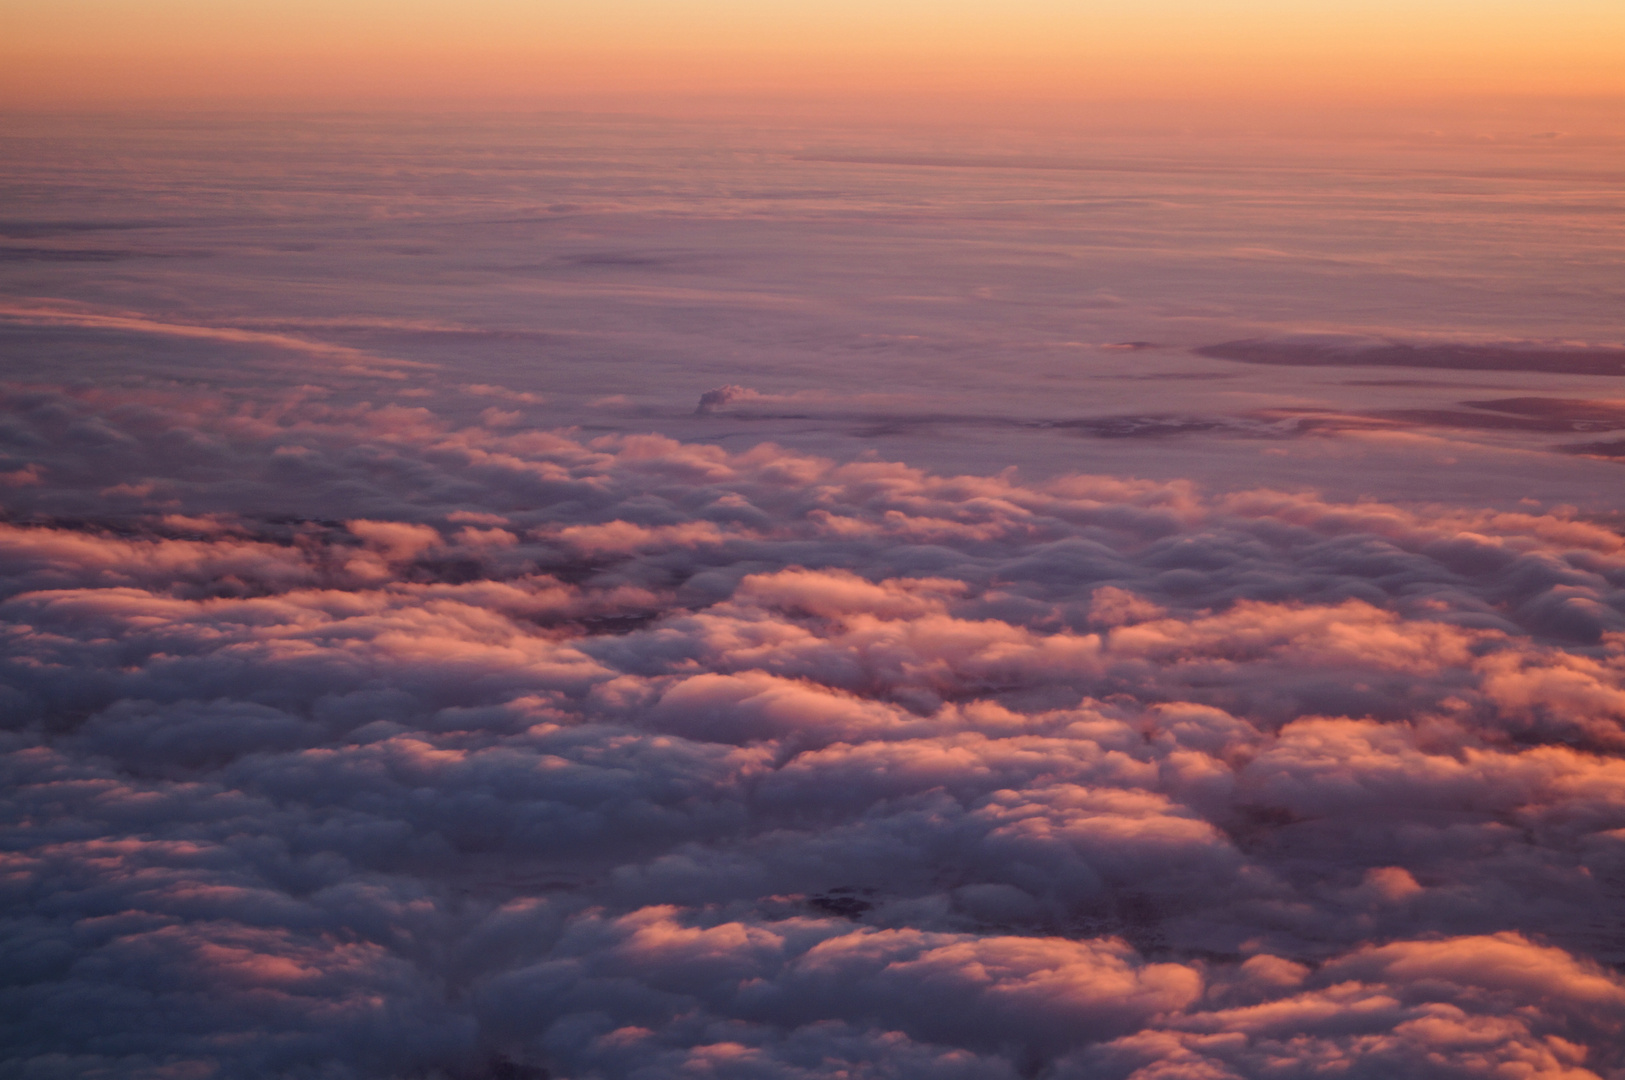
(345, 741)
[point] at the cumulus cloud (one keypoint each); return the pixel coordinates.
(374, 745)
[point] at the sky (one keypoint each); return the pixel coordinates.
(115, 52)
(527, 556)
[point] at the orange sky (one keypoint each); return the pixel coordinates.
(378, 51)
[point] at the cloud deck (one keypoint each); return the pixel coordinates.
(671, 760)
(404, 680)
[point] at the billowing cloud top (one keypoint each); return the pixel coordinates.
(476, 751)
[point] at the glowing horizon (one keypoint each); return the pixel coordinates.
(186, 51)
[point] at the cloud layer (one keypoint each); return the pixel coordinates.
(1344, 349)
(345, 741)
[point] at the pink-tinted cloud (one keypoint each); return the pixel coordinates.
(489, 749)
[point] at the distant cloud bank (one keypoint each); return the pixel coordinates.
(1340, 349)
(342, 741)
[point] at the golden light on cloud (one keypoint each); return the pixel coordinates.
(367, 50)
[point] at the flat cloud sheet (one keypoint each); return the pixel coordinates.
(356, 731)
